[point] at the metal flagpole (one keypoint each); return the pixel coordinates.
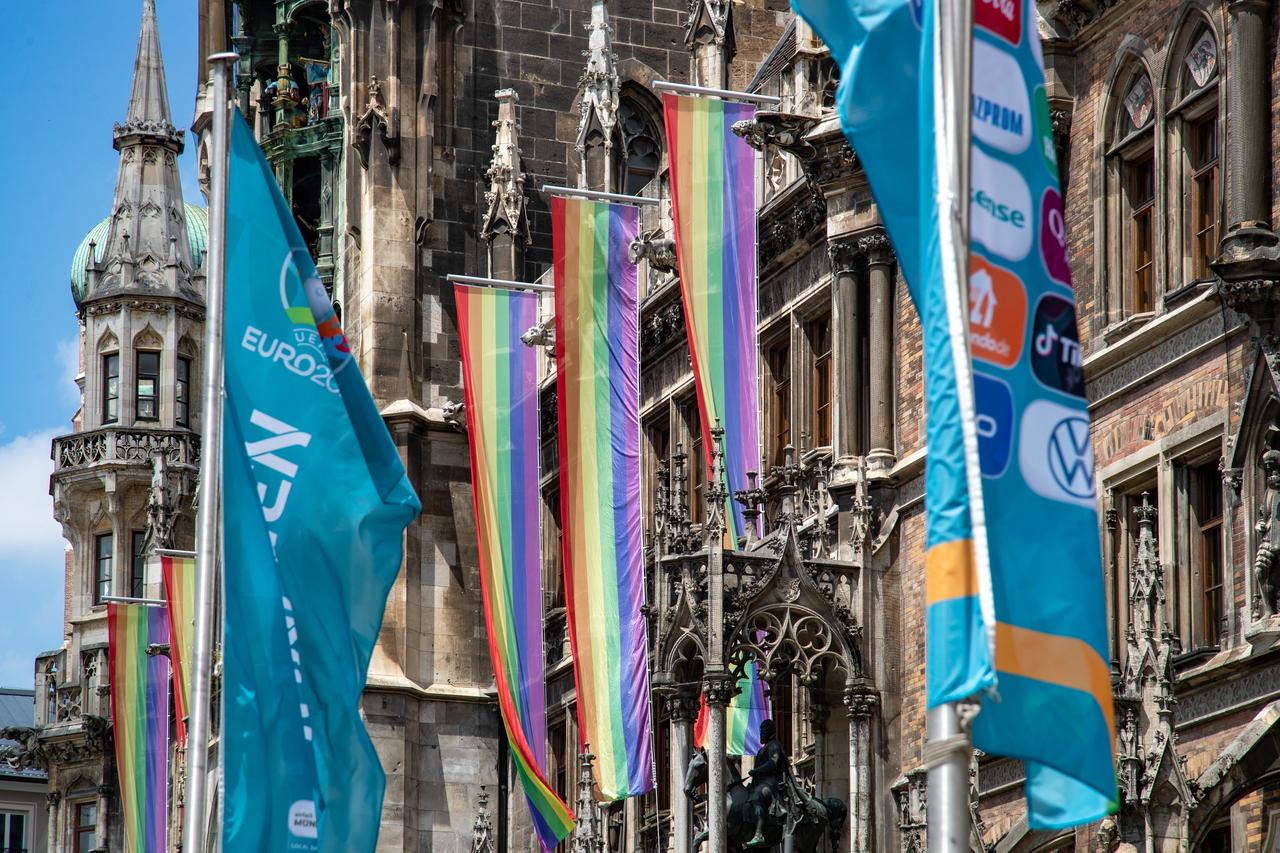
(210, 494)
(947, 749)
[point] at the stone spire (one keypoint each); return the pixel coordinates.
(598, 140)
(505, 227)
(147, 251)
(587, 836)
(149, 101)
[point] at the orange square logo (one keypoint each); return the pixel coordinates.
(997, 313)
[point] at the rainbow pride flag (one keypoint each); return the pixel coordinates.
(743, 717)
(500, 382)
(140, 719)
(713, 199)
(598, 379)
(179, 573)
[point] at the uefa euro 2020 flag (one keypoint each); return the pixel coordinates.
(315, 505)
(1016, 612)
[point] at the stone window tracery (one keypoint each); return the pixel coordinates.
(641, 142)
(1132, 177)
(1196, 149)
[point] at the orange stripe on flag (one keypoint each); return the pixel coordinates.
(1064, 661)
(950, 572)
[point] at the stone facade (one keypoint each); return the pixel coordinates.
(475, 107)
(412, 139)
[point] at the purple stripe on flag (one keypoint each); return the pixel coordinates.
(157, 735)
(526, 565)
(624, 394)
(739, 301)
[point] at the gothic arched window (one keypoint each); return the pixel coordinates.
(1131, 210)
(638, 120)
(1195, 149)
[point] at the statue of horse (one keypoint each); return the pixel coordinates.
(810, 817)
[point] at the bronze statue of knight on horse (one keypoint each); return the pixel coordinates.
(772, 807)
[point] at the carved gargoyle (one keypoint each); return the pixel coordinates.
(784, 131)
(651, 246)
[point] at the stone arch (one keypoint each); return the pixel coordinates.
(107, 342)
(148, 339)
(1249, 763)
(1187, 22)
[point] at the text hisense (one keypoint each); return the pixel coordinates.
(999, 212)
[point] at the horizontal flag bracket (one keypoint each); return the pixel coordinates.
(686, 89)
(171, 552)
(124, 599)
(500, 283)
(573, 192)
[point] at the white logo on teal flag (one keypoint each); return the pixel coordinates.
(316, 503)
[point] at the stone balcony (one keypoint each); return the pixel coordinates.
(124, 446)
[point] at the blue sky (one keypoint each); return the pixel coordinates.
(69, 67)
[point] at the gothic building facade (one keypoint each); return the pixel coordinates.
(412, 137)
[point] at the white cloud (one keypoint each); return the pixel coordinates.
(32, 556)
(27, 528)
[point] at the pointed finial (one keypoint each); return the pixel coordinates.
(505, 196)
(148, 112)
(598, 90)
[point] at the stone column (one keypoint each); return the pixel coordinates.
(880, 442)
(681, 713)
(104, 826)
(54, 832)
(1248, 139)
(847, 380)
(860, 701)
(718, 688)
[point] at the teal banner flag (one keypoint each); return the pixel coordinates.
(316, 503)
(1014, 587)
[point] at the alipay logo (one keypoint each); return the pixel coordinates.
(1001, 109)
(1000, 207)
(1055, 453)
(994, 403)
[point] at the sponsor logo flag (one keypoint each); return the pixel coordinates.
(179, 574)
(315, 507)
(500, 381)
(713, 201)
(140, 722)
(1014, 589)
(598, 379)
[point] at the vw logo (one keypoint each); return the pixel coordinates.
(1071, 456)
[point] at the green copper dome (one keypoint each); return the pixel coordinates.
(197, 236)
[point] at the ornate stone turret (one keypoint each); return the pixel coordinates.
(598, 142)
(505, 227)
(147, 250)
(1145, 756)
